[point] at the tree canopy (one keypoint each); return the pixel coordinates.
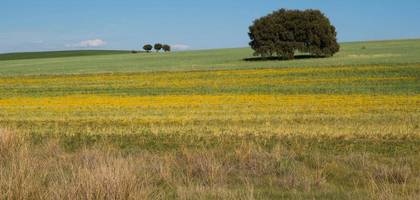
(284, 32)
(166, 48)
(158, 47)
(148, 47)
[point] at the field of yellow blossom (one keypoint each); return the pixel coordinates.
(362, 100)
(313, 132)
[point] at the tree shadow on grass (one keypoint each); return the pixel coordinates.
(275, 58)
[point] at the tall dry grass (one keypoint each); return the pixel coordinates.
(47, 171)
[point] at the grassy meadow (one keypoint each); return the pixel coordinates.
(210, 125)
(355, 53)
(57, 54)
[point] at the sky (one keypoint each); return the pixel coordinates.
(43, 25)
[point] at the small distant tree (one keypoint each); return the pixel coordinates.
(158, 47)
(166, 48)
(148, 48)
(284, 32)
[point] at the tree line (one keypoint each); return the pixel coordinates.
(158, 47)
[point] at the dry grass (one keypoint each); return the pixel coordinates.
(47, 171)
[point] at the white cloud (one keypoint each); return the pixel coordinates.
(89, 43)
(180, 47)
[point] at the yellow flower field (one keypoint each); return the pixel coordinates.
(224, 78)
(233, 114)
(325, 103)
(363, 100)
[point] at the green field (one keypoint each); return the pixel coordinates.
(374, 53)
(57, 54)
(210, 125)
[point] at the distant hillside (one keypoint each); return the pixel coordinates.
(393, 52)
(57, 54)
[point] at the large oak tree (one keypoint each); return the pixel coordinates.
(284, 32)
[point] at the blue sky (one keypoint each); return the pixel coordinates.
(29, 25)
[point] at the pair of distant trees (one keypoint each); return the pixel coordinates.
(158, 47)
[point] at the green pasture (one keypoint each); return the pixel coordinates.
(356, 53)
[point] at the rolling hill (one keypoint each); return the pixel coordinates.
(58, 54)
(355, 53)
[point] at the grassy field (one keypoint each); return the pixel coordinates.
(357, 53)
(208, 125)
(57, 54)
